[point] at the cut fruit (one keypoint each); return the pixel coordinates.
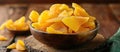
(79, 11)
(83, 29)
(2, 38)
(57, 28)
(43, 16)
(74, 22)
(12, 46)
(34, 15)
(90, 25)
(20, 45)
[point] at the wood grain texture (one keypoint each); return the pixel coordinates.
(35, 46)
(9, 36)
(3, 13)
(108, 24)
(17, 11)
(115, 8)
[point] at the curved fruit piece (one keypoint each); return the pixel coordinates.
(90, 25)
(43, 16)
(54, 10)
(79, 11)
(34, 15)
(2, 26)
(74, 22)
(58, 28)
(2, 38)
(12, 46)
(60, 17)
(83, 29)
(20, 45)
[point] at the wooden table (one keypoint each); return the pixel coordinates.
(107, 14)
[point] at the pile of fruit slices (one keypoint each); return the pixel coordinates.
(62, 19)
(20, 24)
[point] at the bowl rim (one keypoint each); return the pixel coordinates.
(95, 29)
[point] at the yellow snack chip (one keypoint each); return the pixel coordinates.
(12, 46)
(79, 11)
(20, 45)
(34, 15)
(58, 28)
(2, 38)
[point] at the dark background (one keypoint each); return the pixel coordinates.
(58, 1)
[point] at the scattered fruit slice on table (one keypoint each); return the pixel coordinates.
(2, 38)
(12, 46)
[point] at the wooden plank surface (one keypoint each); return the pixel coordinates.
(115, 8)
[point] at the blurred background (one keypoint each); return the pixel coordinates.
(58, 1)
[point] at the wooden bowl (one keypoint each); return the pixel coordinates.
(64, 41)
(20, 32)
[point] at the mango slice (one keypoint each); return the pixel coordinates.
(2, 38)
(20, 23)
(83, 29)
(43, 16)
(2, 26)
(54, 10)
(20, 45)
(34, 15)
(79, 11)
(60, 17)
(57, 28)
(74, 22)
(90, 25)
(12, 46)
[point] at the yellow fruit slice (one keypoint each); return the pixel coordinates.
(36, 25)
(70, 30)
(43, 16)
(9, 24)
(20, 45)
(64, 7)
(2, 38)
(74, 22)
(71, 22)
(58, 28)
(55, 10)
(91, 18)
(82, 20)
(2, 26)
(60, 17)
(79, 11)
(12, 46)
(34, 15)
(83, 29)
(90, 25)
(19, 23)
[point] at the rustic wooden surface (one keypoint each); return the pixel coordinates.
(107, 14)
(35, 46)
